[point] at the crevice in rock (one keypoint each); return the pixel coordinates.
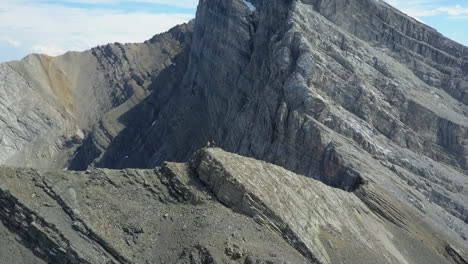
(455, 255)
(336, 173)
(43, 239)
(382, 207)
(85, 231)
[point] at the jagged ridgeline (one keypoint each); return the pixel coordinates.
(350, 93)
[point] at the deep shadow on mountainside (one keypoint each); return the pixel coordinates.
(353, 94)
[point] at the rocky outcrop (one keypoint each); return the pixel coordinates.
(319, 221)
(131, 216)
(49, 104)
(12, 251)
(374, 97)
(116, 124)
(372, 104)
(218, 208)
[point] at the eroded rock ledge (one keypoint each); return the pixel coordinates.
(218, 208)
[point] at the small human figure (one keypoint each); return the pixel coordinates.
(210, 144)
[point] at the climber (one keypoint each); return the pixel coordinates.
(210, 144)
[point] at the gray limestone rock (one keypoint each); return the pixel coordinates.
(218, 208)
(374, 105)
(165, 215)
(374, 97)
(49, 104)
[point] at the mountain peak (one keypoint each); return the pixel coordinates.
(353, 94)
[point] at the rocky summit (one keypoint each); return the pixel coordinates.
(351, 119)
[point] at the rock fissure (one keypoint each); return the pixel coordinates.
(43, 239)
(85, 231)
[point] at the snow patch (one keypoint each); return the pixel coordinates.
(249, 5)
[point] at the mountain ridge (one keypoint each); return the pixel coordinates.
(217, 208)
(79, 88)
(338, 130)
(372, 104)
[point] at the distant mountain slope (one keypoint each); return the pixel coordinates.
(47, 104)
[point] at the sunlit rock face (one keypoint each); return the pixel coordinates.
(373, 97)
(353, 94)
(48, 104)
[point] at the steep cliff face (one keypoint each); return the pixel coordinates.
(374, 98)
(372, 104)
(48, 104)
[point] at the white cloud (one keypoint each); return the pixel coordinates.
(451, 11)
(454, 11)
(49, 50)
(54, 29)
(179, 3)
(417, 12)
(449, 17)
(428, 8)
(12, 42)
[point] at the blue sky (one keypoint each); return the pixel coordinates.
(55, 26)
(450, 17)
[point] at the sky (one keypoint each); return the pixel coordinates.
(55, 26)
(449, 17)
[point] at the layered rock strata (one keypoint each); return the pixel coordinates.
(218, 208)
